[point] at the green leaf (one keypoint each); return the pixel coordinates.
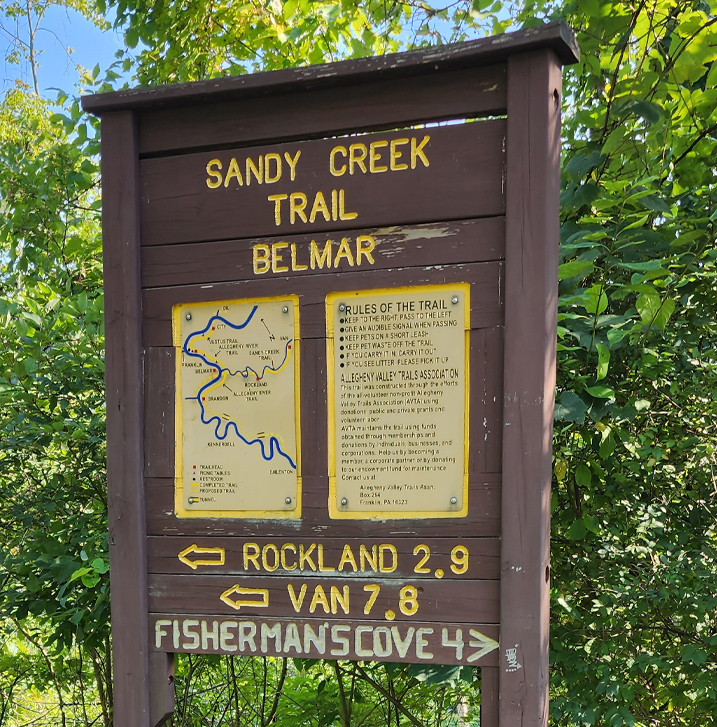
(577, 530)
(570, 407)
(582, 475)
(654, 311)
(603, 360)
(600, 392)
(575, 268)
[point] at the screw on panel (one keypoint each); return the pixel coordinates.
(285, 309)
(454, 299)
(342, 307)
(188, 316)
(454, 501)
(344, 501)
(288, 501)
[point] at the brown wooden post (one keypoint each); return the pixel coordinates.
(532, 186)
(124, 382)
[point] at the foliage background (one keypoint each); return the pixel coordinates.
(634, 639)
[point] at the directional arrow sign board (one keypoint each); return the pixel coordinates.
(331, 299)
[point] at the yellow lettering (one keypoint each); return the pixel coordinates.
(251, 555)
(276, 257)
(396, 155)
(374, 589)
(321, 561)
(417, 151)
(295, 265)
(375, 156)
(334, 205)
(383, 566)
(212, 173)
(316, 259)
(336, 171)
(270, 178)
(251, 169)
(292, 162)
(233, 172)
(364, 558)
(261, 256)
(284, 564)
(276, 199)
(357, 155)
(347, 557)
(319, 206)
(339, 600)
(344, 251)
(319, 599)
(297, 205)
(343, 215)
(270, 548)
(364, 247)
(305, 557)
(296, 601)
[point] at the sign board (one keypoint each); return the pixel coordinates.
(330, 366)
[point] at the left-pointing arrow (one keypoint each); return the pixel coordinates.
(256, 597)
(194, 556)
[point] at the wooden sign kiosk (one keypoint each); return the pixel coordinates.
(330, 322)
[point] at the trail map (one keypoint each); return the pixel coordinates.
(237, 399)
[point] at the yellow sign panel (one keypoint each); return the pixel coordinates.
(237, 408)
(398, 393)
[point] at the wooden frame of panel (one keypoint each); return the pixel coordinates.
(512, 271)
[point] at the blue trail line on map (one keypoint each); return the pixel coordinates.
(273, 441)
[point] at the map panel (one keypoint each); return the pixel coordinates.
(398, 393)
(238, 408)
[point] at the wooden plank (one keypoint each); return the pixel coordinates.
(486, 406)
(375, 104)
(483, 517)
(427, 61)
(485, 279)
(161, 687)
(437, 243)
(159, 424)
(414, 642)
(416, 558)
(314, 433)
(409, 176)
(489, 696)
(532, 185)
(123, 378)
(328, 598)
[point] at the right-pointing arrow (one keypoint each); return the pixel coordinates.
(483, 643)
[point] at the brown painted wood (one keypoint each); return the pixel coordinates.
(415, 558)
(433, 651)
(485, 279)
(436, 243)
(373, 104)
(159, 424)
(426, 62)
(464, 178)
(483, 517)
(489, 696)
(486, 396)
(161, 687)
(470, 601)
(123, 378)
(532, 188)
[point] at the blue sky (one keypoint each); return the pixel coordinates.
(62, 29)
